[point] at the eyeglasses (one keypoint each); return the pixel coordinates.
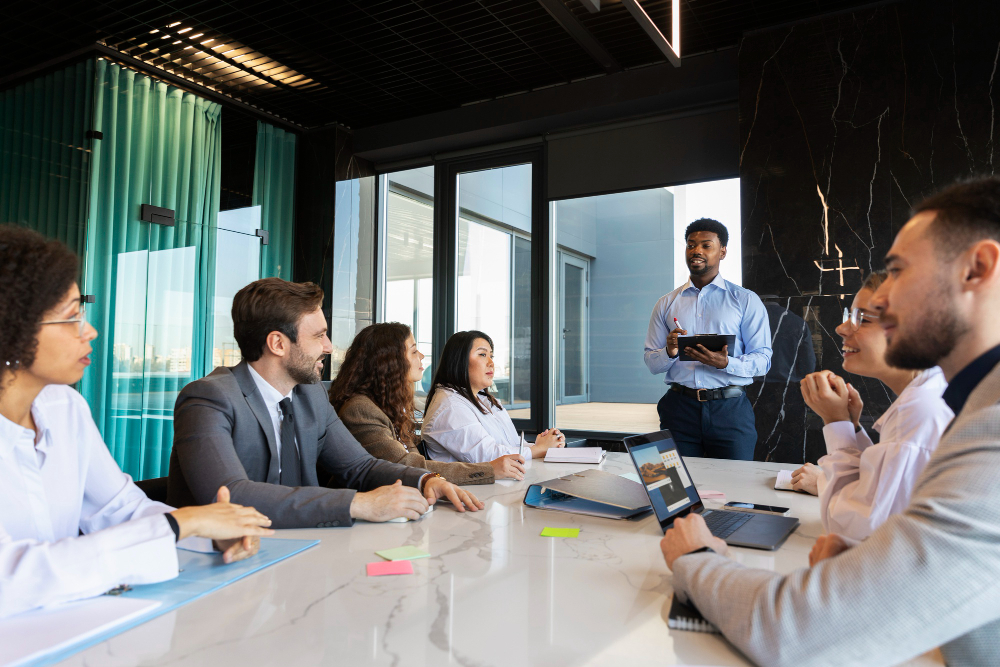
(80, 320)
(855, 317)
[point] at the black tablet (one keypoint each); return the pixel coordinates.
(713, 342)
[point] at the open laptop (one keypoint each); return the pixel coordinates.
(672, 494)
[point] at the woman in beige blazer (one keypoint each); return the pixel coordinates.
(373, 395)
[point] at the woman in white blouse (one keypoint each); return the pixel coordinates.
(859, 483)
(57, 478)
(463, 421)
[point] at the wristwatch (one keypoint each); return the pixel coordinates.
(698, 551)
(427, 478)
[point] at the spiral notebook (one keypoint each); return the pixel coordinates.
(687, 617)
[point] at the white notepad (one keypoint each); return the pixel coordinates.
(784, 481)
(32, 635)
(575, 455)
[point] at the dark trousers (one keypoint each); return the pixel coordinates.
(720, 429)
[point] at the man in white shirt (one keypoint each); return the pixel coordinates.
(260, 427)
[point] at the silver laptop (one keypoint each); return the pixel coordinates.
(672, 494)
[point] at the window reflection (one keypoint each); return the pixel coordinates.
(409, 260)
(494, 274)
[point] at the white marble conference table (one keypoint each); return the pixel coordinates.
(493, 592)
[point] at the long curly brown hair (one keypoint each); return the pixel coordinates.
(35, 273)
(375, 365)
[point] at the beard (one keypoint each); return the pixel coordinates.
(301, 367)
(926, 347)
(699, 270)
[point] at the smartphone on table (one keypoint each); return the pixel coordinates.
(754, 507)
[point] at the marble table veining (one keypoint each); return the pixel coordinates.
(493, 592)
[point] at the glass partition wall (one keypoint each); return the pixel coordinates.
(564, 288)
(454, 254)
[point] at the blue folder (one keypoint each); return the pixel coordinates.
(200, 575)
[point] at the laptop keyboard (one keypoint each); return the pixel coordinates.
(722, 524)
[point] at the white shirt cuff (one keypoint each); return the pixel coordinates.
(839, 435)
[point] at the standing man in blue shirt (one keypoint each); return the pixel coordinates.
(706, 407)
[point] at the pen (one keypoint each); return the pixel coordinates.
(677, 324)
(520, 445)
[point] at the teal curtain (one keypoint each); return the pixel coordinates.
(44, 153)
(273, 191)
(160, 146)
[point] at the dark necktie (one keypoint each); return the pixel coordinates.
(290, 469)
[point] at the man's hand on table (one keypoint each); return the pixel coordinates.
(828, 546)
(689, 533)
(389, 502)
(439, 487)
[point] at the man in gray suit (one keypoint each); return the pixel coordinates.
(260, 427)
(929, 576)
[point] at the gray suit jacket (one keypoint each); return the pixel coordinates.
(928, 577)
(223, 435)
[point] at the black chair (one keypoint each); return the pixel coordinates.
(155, 489)
(422, 448)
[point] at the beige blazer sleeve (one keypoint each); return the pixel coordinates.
(929, 576)
(372, 428)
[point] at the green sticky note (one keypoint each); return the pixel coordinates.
(560, 532)
(409, 552)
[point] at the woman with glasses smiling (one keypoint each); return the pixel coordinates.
(860, 483)
(72, 524)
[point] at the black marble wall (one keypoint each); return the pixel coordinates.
(845, 123)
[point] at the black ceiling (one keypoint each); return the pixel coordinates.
(364, 62)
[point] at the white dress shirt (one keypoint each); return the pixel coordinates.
(864, 483)
(455, 430)
(272, 397)
(59, 482)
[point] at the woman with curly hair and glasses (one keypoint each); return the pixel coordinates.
(72, 524)
(373, 395)
(463, 421)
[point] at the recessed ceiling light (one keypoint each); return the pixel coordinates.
(175, 23)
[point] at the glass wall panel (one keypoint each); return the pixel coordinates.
(237, 264)
(616, 256)
(493, 285)
(353, 260)
(408, 270)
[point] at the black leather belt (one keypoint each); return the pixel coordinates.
(732, 391)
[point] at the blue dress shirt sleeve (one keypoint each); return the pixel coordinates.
(656, 357)
(756, 334)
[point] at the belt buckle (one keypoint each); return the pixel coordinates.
(697, 393)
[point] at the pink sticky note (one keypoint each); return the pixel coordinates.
(705, 493)
(390, 567)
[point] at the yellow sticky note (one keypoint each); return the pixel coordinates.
(409, 552)
(560, 532)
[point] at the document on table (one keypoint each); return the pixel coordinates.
(575, 455)
(30, 636)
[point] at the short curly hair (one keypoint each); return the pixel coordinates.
(709, 225)
(35, 273)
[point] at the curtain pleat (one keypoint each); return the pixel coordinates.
(274, 191)
(44, 153)
(154, 284)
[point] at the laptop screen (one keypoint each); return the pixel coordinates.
(663, 473)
